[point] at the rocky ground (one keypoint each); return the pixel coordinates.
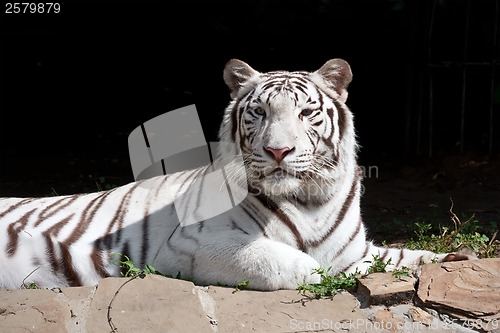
(451, 297)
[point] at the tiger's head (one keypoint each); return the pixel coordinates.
(293, 129)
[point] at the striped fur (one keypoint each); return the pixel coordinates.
(298, 143)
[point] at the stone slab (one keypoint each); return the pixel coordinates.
(468, 290)
(33, 311)
(285, 311)
(386, 289)
(150, 304)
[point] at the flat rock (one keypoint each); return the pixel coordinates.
(285, 311)
(150, 304)
(468, 290)
(418, 315)
(385, 320)
(385, 289)
(33, 311)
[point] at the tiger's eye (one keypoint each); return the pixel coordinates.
(306, 112)
(260, 111)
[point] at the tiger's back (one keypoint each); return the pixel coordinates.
(296, 138)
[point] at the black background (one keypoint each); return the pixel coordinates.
(74, 84)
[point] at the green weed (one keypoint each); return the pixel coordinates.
(400, 272)
(242, 285)
(377, 264)
(31, 285)
(129, 268)
(329, 285)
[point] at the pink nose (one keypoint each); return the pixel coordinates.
(278, 153)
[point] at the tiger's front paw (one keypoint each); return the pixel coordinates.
(306, 271)
(291, 269)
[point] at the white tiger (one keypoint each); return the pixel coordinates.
(297, 140)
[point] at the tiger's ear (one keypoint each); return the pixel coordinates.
(236, 74)
(337, 75)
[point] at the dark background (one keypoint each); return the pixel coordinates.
(74, 84)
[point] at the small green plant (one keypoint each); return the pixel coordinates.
(31, 285)
(329, 284)
(377, 264)
(400, 272)
(148, 269)
(422, 229)
(242, 285)
(129, 268)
